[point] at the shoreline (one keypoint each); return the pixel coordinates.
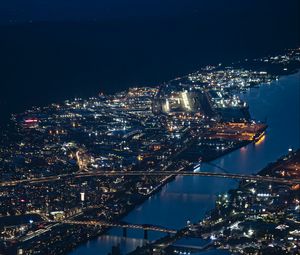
(211, 159)
(238, 65)
(158, 188)
(166, 181)
(267, 170)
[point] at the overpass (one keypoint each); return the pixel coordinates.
(151, 173)
(123, 225)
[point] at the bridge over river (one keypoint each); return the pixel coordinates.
(153, 173)
(123, 225)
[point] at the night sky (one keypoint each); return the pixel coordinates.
(56, 49)
(83, 10)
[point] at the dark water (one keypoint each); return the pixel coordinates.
(189, 198)
(79, 48)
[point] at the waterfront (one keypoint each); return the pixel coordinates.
(188, 198)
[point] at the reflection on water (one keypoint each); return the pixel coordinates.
(190, 197)
(103, 245)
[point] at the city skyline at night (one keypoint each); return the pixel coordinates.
(156, 127)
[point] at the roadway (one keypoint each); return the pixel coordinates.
(148, 173)
(147, 227)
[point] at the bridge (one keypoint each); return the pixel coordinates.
(123, 225)
(190, 173)
(152, 173)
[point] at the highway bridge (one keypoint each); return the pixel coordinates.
(123, 225)
(153, 173)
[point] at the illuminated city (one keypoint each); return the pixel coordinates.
(205, 163)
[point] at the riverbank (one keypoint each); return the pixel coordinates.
(173, 135)
(161, 185)
(189, 197)
(242, 207)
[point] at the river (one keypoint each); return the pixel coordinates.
(190, 197)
